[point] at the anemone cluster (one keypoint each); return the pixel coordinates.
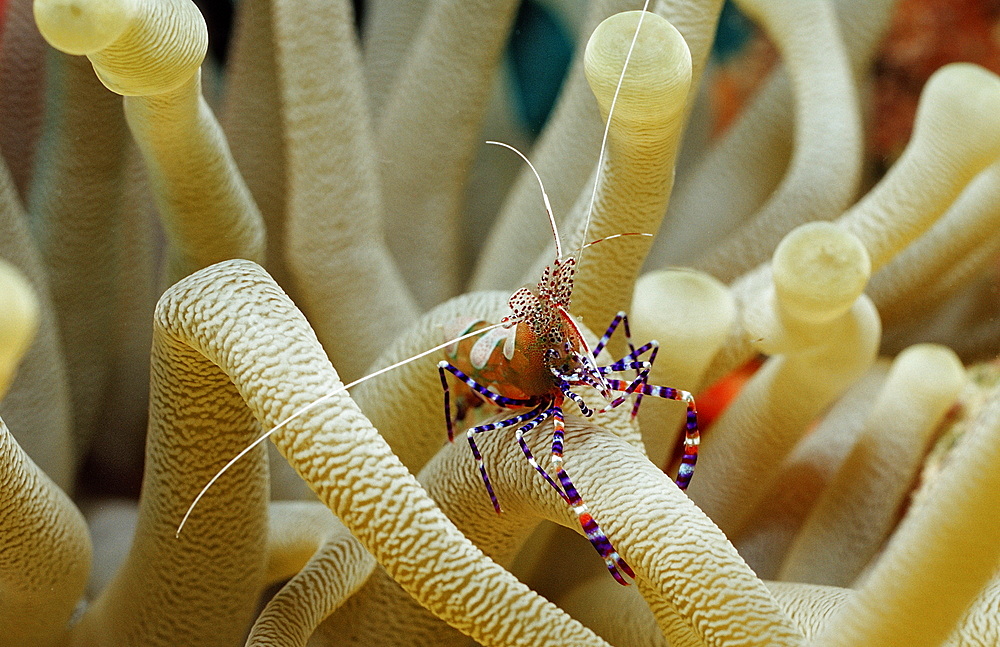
(286, 223)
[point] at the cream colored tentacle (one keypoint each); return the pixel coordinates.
(46, 549)
(344, 276)
(414, 426)
(800, 480)
(254, 335)
(77, 198)
(150, 52)
(600, 603)
(923, 275)
(37, 405)
(941, 557)
(18, 322)
(825, 167)
(955, 137)
(22, 75)
(689, 314)
(681, 558)
(634, 185)
(567, 149)
(564, 154)
(388, 32)
(200, 588)
(751, 156)
(426, 153)
(981, 623)
(822, 334)
(43, 538)
(858, 508)
(250, 117)
(326, 565)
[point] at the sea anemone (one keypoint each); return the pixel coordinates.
(320, 228)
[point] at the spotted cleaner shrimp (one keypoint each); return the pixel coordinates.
(530, 362)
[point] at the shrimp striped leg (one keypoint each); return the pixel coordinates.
(498, 400)
(692, 436)
(533, 416)
(622, 319)
(565, 387)
(615, 563)
(519, 435)
(634, 354)
(632, 387)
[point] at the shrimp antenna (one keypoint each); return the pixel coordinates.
(613, 236)
(607, 126)
(545, 196)
(340, 389)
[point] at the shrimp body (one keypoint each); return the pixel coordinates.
(505, 360)
(530, 364)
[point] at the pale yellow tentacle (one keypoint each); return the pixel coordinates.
(567, 149)
(426, 153)
(689, 314)
(46, 552)
(800, 481)
(824, 171)
(388, 32)
(955, 137)
(202, 587)
(326, 565)
(36, 405)
(43, 538)
(252, 334)
(941, 557)
(684, 563)
(22, 75)
(150, 52)
(343, 275)
(77, 198)
(858, 508)
(637, 176)
(751, 157)
(823, 334)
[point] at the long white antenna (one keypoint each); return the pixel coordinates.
(545, 196)
(607, 127)
(340, 389)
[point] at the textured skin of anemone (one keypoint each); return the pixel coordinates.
(195, 252)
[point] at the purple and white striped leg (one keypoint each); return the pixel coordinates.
(490, 396)
(632, 387)
(519, 435)
(620, 318)
(632, 362)
(507, 422)
(615, 563)
(692, 436)
(565, 387)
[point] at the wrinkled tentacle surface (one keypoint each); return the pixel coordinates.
(325, 565)
(382, 505)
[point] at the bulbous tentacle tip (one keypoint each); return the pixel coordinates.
(83, 27)
(959, 103)
(18, 321)
(137, 47)
(819, 270)
(659, 65)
